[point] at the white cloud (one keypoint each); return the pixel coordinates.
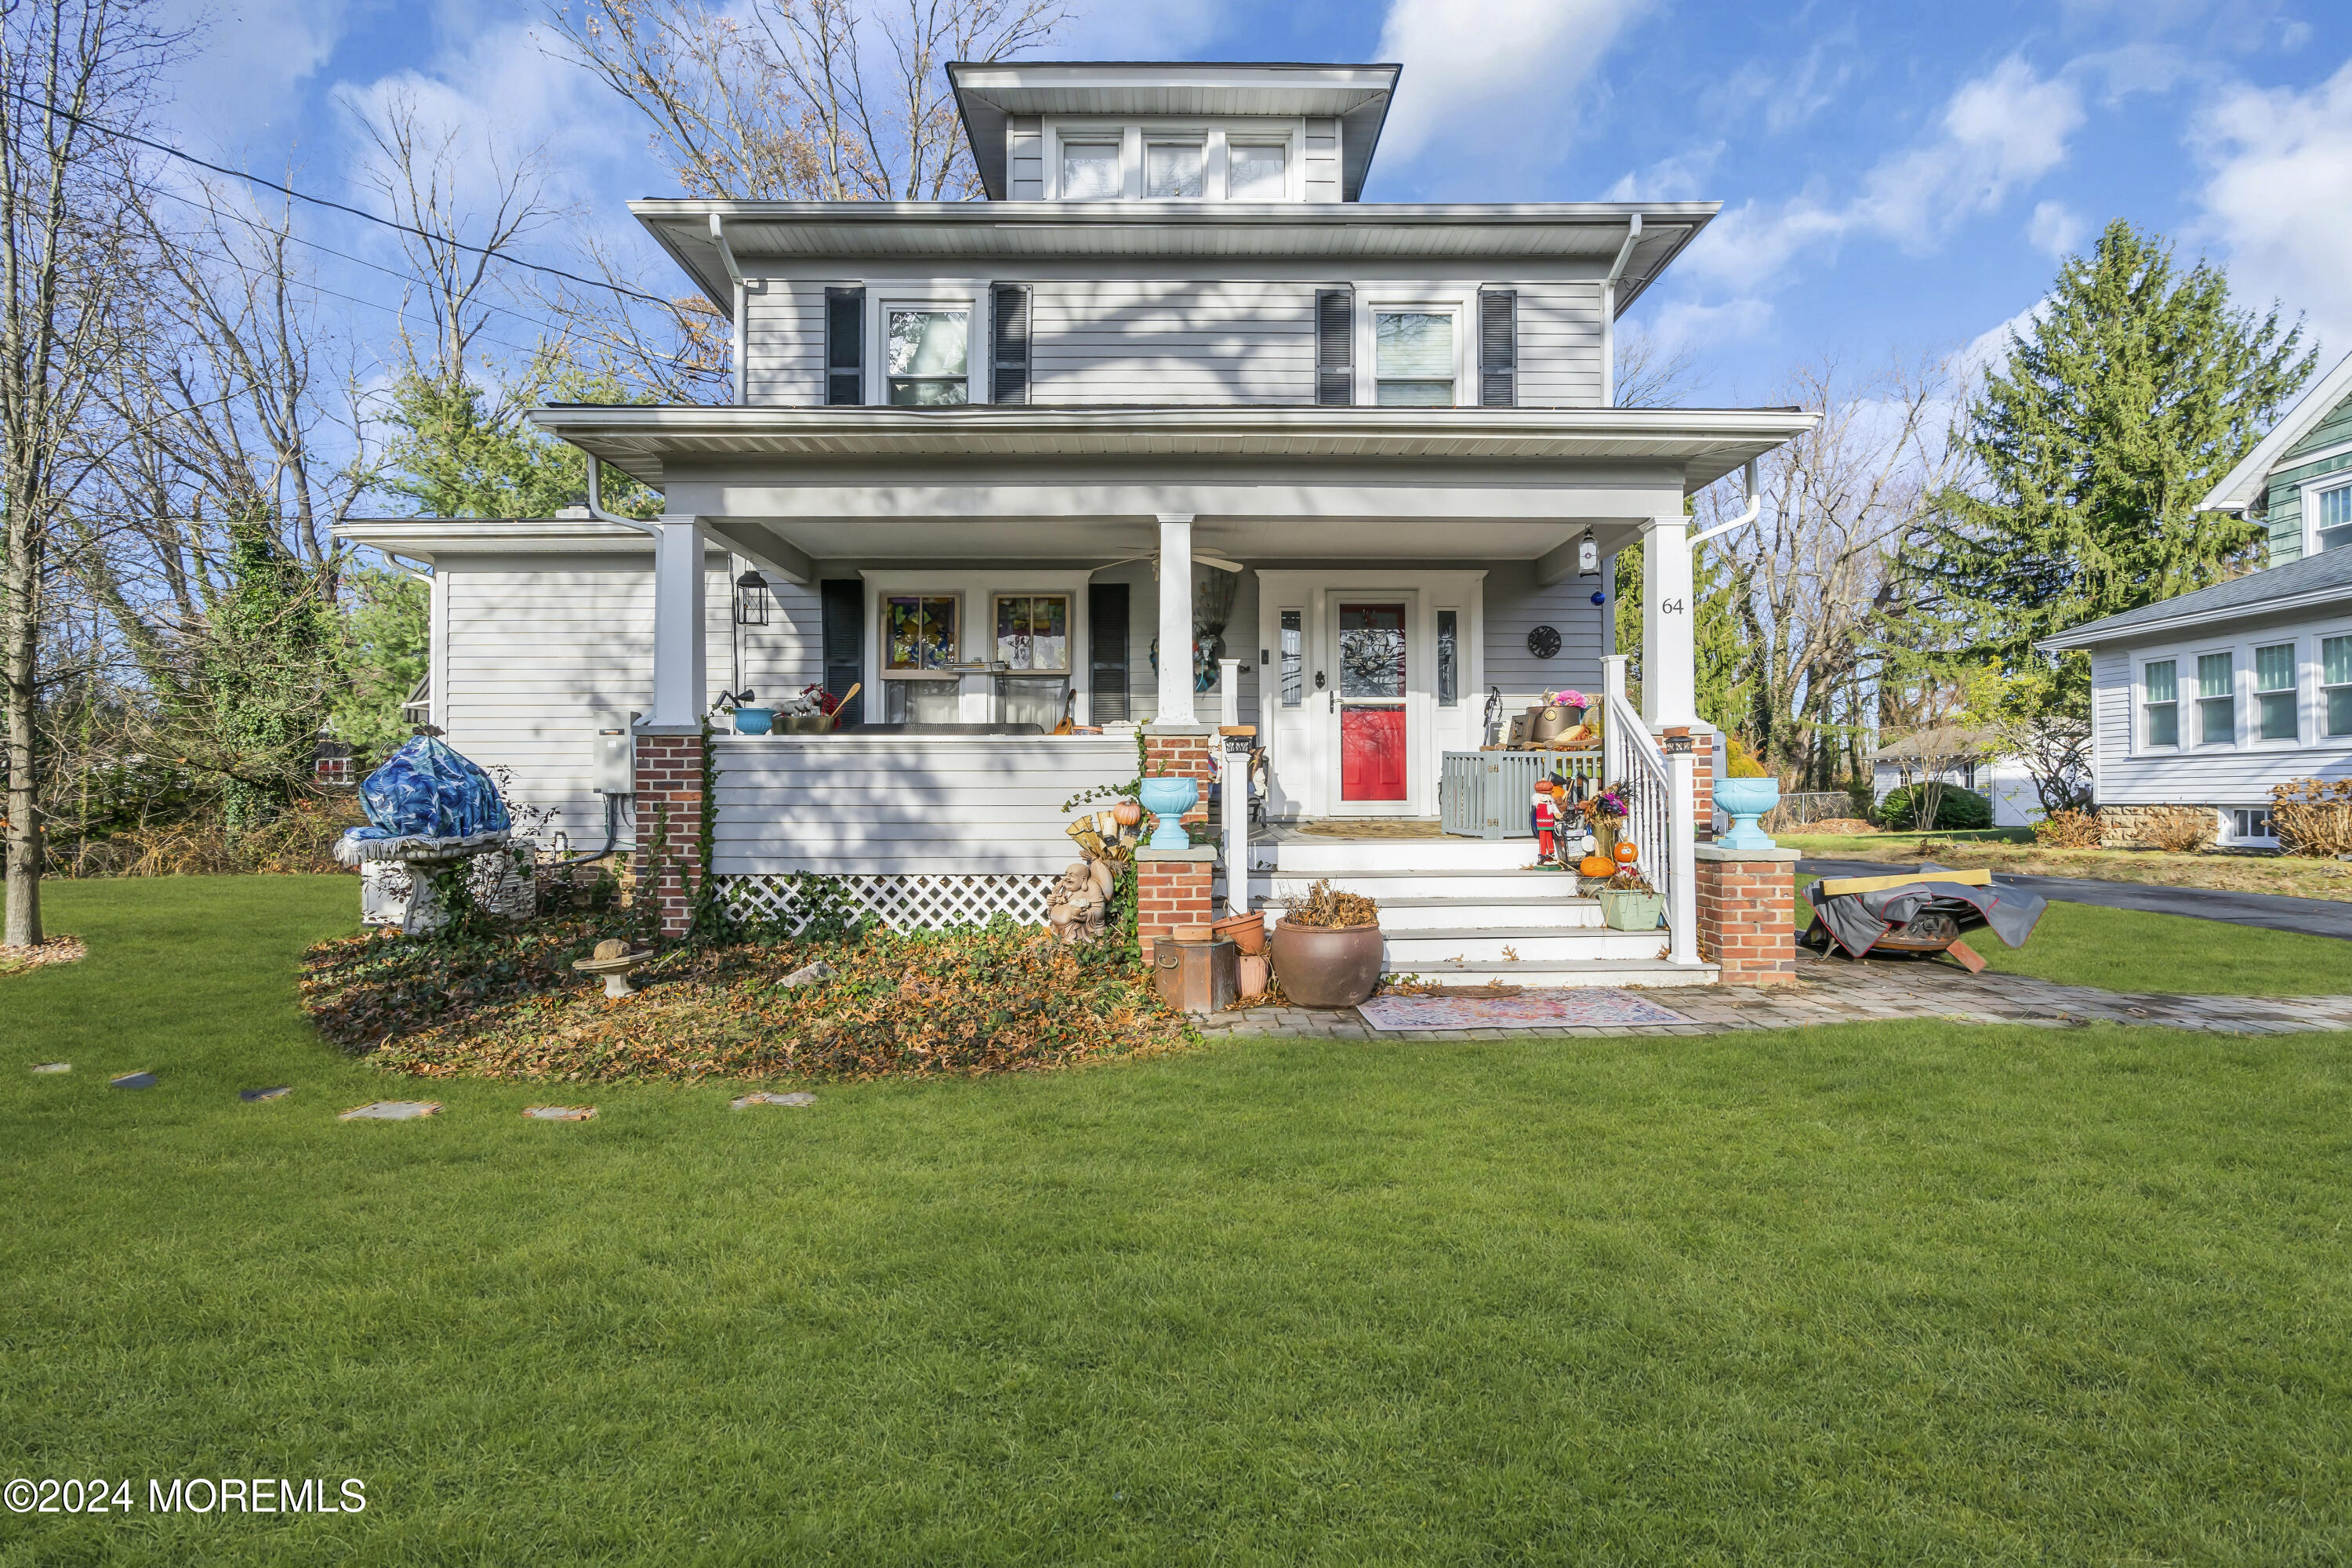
(2278, 197)
(1990, 349)
(1790, 96)
(2055, 228)
(1674, 179)
(252, 56)
(1473, 67)
(1162, 30)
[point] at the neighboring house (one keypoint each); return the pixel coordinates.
(1168, 430)
(1966, 759)
(2211, 698)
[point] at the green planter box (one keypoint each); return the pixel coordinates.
(1621, 909)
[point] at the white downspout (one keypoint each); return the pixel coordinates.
(1608, 311)
(1755, 509)
(735, 277)
(596, 500)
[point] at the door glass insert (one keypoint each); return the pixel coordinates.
(1449, 669)
(1294, 661)
(1371, 652)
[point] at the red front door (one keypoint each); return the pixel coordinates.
(1372, 748)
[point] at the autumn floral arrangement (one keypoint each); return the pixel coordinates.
(1567, 696)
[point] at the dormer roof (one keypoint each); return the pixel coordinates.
(989, 94)
(2244, 485)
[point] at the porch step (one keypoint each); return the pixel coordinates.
(1548, 972)
(1384, 884)
(1411, 950)
(1335, 857)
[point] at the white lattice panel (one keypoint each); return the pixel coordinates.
(903, 900)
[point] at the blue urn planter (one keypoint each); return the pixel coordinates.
(1169, 799)
(1746, 800)
(754, 720)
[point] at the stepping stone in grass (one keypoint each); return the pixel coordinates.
(559, 1113)
(133, 1080)
(765, 1098)
(392, 1110)
(250, 1095)
(53, 1067)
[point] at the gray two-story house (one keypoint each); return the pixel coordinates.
(2213, 698)
(1171, 431)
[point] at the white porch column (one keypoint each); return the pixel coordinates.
(1176, 621)
(1682, 858)
(681, 686)
(1669, 663)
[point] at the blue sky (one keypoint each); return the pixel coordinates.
(1894, 178)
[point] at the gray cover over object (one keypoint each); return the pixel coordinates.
(1856, 921)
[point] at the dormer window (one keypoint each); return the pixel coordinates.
(1090, 171)
(1171, 171)
(2334, 507)
(1257, 172)
(928, 353)
(1413, 359)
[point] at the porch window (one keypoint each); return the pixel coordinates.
(1031, 700)
(2335, 508)
(1294, 660)
(2335, 680)
(923, 703)
(920, 629)
(1258, 174)
(2274, 692)
(928, 353)
(1171, 171)
(2217, 699)
(1413, 359)
(1032, 631)
(2160, 714)
(1090, 171)
(1449, 674)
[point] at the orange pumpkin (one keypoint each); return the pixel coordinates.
(1127, 814)
(1628, 852)
(1597, 865)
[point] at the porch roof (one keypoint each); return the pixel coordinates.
(1705, 443)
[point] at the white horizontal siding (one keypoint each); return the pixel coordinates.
(784, 342)
(1322, 161)
(1173, 340)
(1027, 149)
(2242, 774)
(1559, 345)
(1515, 606)
(861, 805)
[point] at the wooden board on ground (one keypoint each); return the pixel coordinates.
(1837, 887)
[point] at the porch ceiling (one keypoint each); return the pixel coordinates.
(1455, 445)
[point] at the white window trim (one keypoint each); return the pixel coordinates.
(2230, 835)
(1373, 300)
(2141, 745)
(2308, 493)
(884, 297)
(978, 587)
(2240, 679)
(2299, 689)
(2309, 639)
(1133, 134)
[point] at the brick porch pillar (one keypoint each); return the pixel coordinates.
(1746, 913)
(1171, 888)
(1183, 751)
(670, 793)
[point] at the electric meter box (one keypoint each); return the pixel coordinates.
(614, 766)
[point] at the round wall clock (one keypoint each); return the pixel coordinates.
(1543, 642)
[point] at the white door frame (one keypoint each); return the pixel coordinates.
(1303, 743)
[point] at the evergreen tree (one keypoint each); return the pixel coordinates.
(2136, 388)
(268, 661)
(456, 452)
(387, 630)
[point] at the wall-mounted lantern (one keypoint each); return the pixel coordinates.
(750, 600)
(1587, 555)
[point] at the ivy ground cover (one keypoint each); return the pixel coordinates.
(1923, 1293)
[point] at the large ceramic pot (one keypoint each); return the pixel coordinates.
(1746, 800)
(1327, 966)
(1169, 799)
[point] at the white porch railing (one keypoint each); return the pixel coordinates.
(1657, 790)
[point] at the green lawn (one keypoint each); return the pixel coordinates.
(2127, 950)
(1923, 1293)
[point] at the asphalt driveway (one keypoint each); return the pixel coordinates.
(2271, 911)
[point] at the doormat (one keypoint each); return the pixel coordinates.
(1598, 1007)
(1373, 827)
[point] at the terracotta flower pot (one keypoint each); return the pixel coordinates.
(1249, 972)
(1246, 932)
(1327, 966)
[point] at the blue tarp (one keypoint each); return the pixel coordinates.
(426, 790)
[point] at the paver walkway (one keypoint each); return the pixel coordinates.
(1840, 991)
(2267, 911)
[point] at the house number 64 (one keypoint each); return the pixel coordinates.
(1671, 606)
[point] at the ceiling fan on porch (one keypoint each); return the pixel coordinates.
(1219, 562)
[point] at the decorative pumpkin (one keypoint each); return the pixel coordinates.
(1597, 865)
(1127, 813)
(1627, 852)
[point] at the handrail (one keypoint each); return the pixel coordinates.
(1658, 815)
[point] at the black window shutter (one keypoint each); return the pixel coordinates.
(1498, 348)
(843, 602)
(1335, 347)
(1009, 381)
(845, 345)
(1107, 651)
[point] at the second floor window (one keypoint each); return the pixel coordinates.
(1091, 171)
(2335, 517)
(2217, 701)
(929, 355)
(1171, 170)
(2274, 692)
(1258, 174)
(1413, 359)
(2160, 717)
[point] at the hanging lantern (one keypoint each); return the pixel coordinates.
(1587, 555)
(750, 600)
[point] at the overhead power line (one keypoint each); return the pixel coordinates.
(171, 152)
